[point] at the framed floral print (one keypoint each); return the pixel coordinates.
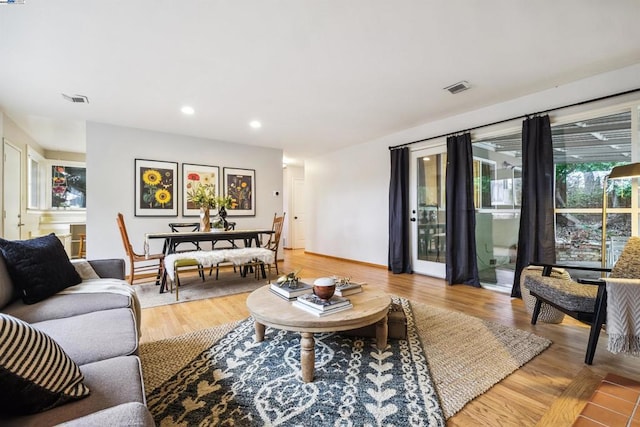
(67, 187)
(193, 176)
(240, 185)
(156, 188)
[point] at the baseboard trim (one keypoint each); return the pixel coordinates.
(368, 264)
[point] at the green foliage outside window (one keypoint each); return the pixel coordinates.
(587, 193)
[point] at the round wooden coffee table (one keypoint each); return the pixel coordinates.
(369, 306)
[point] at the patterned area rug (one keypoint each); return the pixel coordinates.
(220, 376)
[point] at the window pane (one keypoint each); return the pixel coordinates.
(497, 190)
(431, 213)
(584, 152)
(33, 186)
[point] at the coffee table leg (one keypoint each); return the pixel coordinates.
(307, 356)
(259, 331)
(382, 330)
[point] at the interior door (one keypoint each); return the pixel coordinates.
(12, 192)
(298, 236)
(428, 216)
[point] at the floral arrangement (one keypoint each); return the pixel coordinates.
(224, 202)
(203, 196)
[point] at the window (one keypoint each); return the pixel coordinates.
(35, 181)
(585, 151)
(431, 213)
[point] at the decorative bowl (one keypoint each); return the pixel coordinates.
(324, 287)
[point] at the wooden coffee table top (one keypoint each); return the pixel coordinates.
(369, 306)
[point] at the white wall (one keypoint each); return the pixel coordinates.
(348, 189)
(111, 151)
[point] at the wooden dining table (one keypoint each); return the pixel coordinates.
(172, 239)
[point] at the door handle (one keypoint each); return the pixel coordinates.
(413, 220)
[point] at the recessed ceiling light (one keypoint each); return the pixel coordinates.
(255, 124)
(187, 110)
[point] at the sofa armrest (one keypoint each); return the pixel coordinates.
(126, 414)
(109, 268)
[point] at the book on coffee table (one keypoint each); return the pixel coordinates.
(309, 309)
(348, 289)
(291, 293)
(317, 303)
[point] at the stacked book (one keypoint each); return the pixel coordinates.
(314, 305)
(348, 288)
(290, 294)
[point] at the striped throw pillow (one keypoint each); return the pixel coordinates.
(35, 372)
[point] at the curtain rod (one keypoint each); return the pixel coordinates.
(588, 101)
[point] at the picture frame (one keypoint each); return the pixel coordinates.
(192, 175)
(67, 185)
(240, 184)
(156, 190)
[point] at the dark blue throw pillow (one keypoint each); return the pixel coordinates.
(38, 267)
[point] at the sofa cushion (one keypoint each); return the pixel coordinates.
(8, 292)
(628, 265)
(94, 336)
(38, 267)
(60, 306)
(112, 382)
(84, 269)
(35, 372)
(567, 294)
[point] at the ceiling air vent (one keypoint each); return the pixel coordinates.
(458, 87)
(76, 98)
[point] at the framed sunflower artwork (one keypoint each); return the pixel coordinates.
(194, 176)
(156, 188)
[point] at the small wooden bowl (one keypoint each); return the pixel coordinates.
(324, 287)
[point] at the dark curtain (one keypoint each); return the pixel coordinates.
(462, 264)
(399, 229)
(536, 239)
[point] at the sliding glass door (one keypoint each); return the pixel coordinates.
(428, 210)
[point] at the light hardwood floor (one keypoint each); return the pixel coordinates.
(551, 390)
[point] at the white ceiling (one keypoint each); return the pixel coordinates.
(319, 74)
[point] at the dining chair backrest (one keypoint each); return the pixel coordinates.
(139, 263)
(184, 226)
(274, 239)
(125, 236)
(177, 227)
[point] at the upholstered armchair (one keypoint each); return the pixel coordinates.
(614, 300)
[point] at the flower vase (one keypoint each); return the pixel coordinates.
(205, 220)
(222, 213)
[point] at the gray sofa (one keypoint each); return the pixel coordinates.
(99, 332)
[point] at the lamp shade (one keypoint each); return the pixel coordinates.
(625, 171)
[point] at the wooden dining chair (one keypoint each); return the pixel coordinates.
(139, 263)
(184, 226)
(273, 244)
